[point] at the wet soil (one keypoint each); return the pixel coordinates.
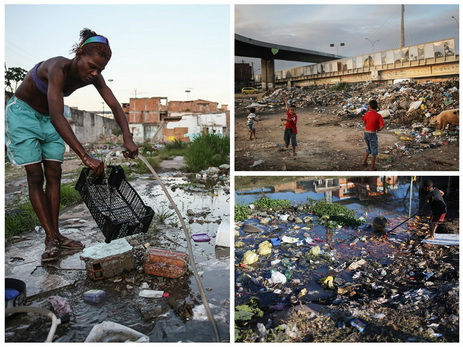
(328, 142)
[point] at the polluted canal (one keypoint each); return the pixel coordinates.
(344, 260)
(133, 305)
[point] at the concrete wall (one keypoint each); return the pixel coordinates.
(89, 127)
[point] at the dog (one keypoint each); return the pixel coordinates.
(447, 117)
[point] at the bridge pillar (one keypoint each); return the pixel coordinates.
(268, 73)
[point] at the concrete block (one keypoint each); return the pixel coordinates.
(108, 259)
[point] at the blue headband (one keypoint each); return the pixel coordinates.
(100, 39)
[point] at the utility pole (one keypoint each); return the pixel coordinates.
(402, 30)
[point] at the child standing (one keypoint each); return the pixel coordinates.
(291, 126)
(251, 119)
(373, 123)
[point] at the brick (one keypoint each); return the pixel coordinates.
(160, 262)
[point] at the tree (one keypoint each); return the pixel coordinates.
(13, 74)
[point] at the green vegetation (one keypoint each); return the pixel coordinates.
(22, 218)
(245, 313)
(241, 213)
(274, 204)
(207, 150)
(163, 214)
(333, 214)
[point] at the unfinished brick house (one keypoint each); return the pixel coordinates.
(158, 120)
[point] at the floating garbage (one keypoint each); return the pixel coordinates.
(357, 323)
(94, 296)
(265, 248)
(289, 239)
(277, 277)
(153, 294)
(200, 238)
(250, 258)
(61, 308)
(113, 332)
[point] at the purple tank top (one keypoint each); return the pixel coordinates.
(41, 85)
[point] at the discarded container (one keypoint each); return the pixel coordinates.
(160, 262)
(108, 260)
(357, 323)
(94, 296)
(116, 207)
(15, 292)
(113, 332)
(200, 238)
(222, 238)
(154, 294)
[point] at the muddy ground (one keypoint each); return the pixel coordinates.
(329, 142)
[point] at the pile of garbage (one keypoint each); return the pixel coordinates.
(295, 282)
(403, 103)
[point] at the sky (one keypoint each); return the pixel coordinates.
(315, 27)
(158, 50)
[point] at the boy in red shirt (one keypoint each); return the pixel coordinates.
(373, 123)
(291, 126)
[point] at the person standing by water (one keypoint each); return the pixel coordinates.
(36, 129)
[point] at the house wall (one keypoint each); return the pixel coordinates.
(89, 126)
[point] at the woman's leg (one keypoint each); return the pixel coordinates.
(42, 208)
(53, 173)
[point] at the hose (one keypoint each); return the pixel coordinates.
(188, 239)
(55, 321)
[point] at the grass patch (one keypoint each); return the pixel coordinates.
(22, 218)
(207, 150)
(162, 215)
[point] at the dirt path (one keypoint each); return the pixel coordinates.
(327, 142)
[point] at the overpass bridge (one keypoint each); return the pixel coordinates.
(269, 52)
(437, 59)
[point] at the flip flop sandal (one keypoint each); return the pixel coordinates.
(50, 254)
(67, 244)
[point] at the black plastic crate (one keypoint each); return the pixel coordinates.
(116, 207)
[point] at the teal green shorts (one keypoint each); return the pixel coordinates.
(30, 137)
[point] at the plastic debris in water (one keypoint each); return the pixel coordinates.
(250, 258)
(61, 307)
(94, 296)
(357, 323)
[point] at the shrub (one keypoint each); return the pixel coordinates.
(207, 150)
